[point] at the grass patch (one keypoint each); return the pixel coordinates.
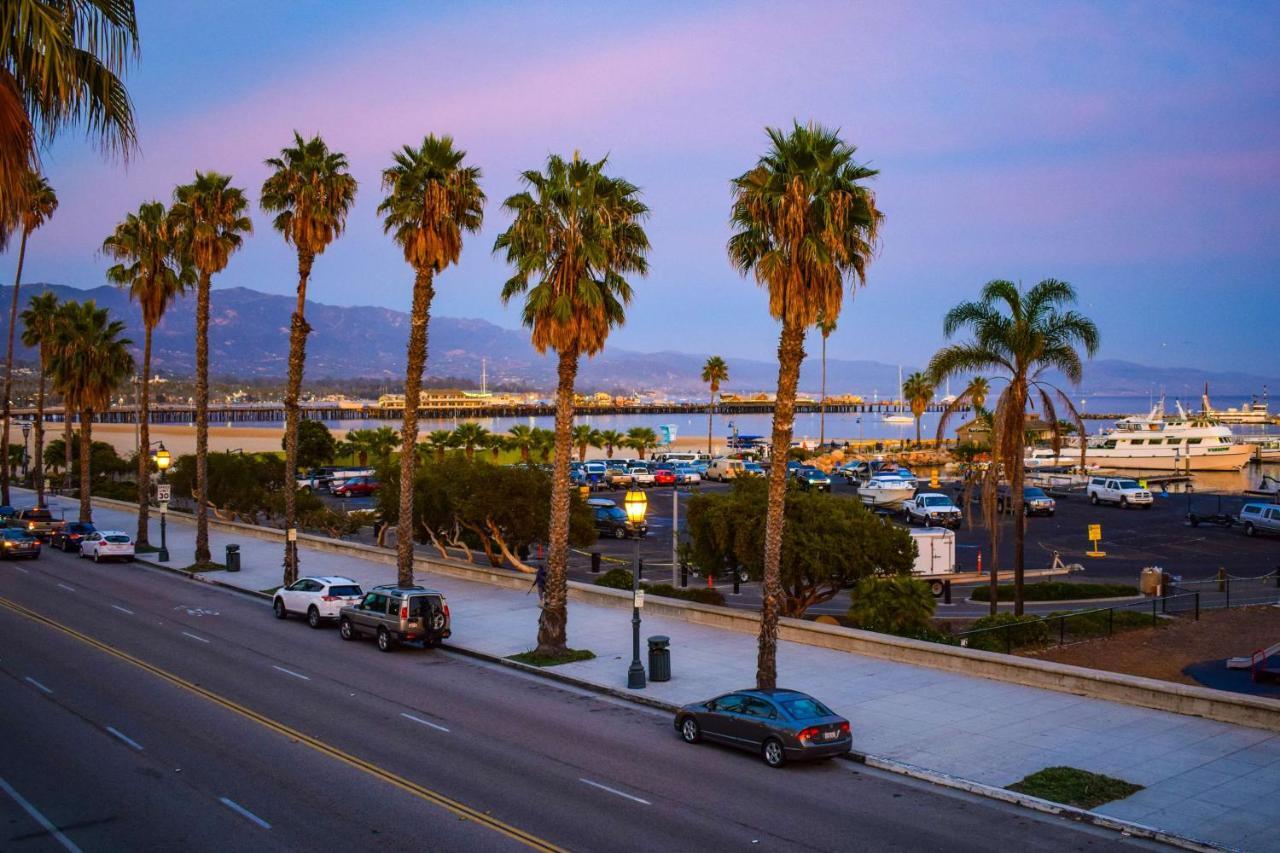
(271, 590)
(1073, 787)
(1057, 591)
(534, 659)
(146, 549)
(205, 567)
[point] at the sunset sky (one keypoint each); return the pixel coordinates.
(1132, 149)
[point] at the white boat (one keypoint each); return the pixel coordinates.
(1265, 448)
(1254, 413)
(1154, 442)
(899, 419)
(886, 491)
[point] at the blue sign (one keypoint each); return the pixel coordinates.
(668, 432)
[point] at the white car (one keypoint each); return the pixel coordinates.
(318, 598)
(1118, 490)
(641, 475)
(687, 475)
(107, 545)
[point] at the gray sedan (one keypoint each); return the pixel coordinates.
(781, 725)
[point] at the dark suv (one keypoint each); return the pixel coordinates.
(68, 536)
(611, 520)
(396, 614)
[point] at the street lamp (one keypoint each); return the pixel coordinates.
(26, 457)
(636, 505)
(162, 459)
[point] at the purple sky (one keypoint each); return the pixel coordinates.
(1132, 149)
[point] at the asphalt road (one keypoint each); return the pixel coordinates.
(143, 711)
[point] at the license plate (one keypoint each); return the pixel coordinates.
(829, 735)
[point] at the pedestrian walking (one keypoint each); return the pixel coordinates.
(540, 581)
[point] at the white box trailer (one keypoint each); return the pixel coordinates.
(935, 556)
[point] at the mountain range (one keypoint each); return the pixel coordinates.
(249, 338)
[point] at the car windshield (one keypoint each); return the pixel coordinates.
(805, 708)
(345, 591)
(1127, 484)
(1033, 493)
(937, 500)
(119, 539)
(17, 534)
(615, 513)
(38, 515)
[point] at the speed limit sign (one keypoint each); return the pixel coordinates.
(162, 493)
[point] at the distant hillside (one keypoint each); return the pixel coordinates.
(249, 337)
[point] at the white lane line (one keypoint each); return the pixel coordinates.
(424, 722)
(44, 822)
(122, 609)
(67, 588)
(615, 791)
(24, 571)
(38, 685)
(291, 672)
(243, 812)
(133, 743)
(194, 637)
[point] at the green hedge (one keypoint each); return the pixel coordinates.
(700, 594)
(1057, 591)
(616, 579)
(1028, 632)
(1095, 623)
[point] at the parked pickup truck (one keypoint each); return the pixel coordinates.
(1118, 490)
(37, 521)
(932, 509)
(617, 476)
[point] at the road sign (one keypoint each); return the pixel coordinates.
(162, 492)
(1095, 536)
(1095, 532)
(640, 599)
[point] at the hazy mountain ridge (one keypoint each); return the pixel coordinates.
(249, 338)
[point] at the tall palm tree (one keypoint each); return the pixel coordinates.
(38, 324)
(826, 327)
(496, 443)
(149, 266)
(90, 360)
(609, 439)
(208, 224)
(520, 437)
(469, 436)
(311, 192)
(439, 441)
(576, 237)
(714, 372)
(584, 436)
(918, 389)
(641, 439)
(805, 224)
(432, 200)
(60, 66)
(39, 204)
(1019, 336)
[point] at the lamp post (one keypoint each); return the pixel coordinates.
(26, 456)
(162, 460)
(636, 505)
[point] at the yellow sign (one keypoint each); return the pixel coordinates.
(1095, 536)
(1095, 532)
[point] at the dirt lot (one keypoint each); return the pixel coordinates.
(1163, 653)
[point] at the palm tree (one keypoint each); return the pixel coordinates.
(714, 372)
(39, 322)
(440, 440)
(150, 268)
(432, 200)
(1020, 336)
(496, 443)
(609, 439)
(641, 439)
(575, 238)
(520, 437)
(805, 224)
(60, 66)
(918, 390)
(39, 205)
(469, 436)
(208, 224)
(544, 442)
(584, 436)
(311, 192)
(976, 392)
(89, 361)
(381, 442)
(826, 327)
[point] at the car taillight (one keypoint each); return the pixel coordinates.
(328, 598)
(446, 611)
(404, 611)
(844, 727)
(809, 733)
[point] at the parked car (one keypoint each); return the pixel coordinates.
(811, 479)
(664, 476)
(687, 475)
(1260, 518)
(7, 512)
(641, 475)
(16, 542)
(1118, 490)
(107, 545)
(1034, 501)
(752, 469)
(319, 598)
(611, 520)
(37, 521)
(782, 725)
(397, 614)
(617, 476)
(356, 487)
(932, 509)
(723, 469)
(68, 536)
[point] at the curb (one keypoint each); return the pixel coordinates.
(200, 577)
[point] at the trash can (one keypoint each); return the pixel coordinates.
(1149, 581)
(659, 658)
(233, 558)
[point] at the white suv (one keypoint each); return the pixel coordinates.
(319, 598)
(107, 545)
(1118, 490)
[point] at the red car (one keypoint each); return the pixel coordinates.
(664, 477)
(356, 487)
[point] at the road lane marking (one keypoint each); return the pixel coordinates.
(38, 685)
(424, 722)
(194, 637)
(24, 571)
(44, 822)
(421, 792)
(291, 672)
(122, 609)
(67, 588)
(615, 791)
(133, 743)
(243, 812)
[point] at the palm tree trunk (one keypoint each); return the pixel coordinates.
(1017, 479)
(822, 399)
(8, 372)
(144, 442)
(86, 444)
(711, 413)
(423, 291)
(790, 355)
(552, 636)
(917, 430)
(298, 331)
(202, 554)
(66, 446)
(39, 428)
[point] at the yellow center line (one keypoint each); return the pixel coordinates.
(460, 809)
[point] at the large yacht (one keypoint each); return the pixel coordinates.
(1253, 413)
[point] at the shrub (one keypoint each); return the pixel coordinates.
(700, 594)
(1094, 623)
(894, 605)
(126, 490)
(1027, 631)
(616, 579)
(1057, 591)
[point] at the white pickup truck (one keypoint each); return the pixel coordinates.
(933, 510)
(1118, 490)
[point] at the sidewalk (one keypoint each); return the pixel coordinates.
(1203, 779)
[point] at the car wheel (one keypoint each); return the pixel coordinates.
(345, 630)
(313, 617)
(385, 643)
(772, 753)
(1124, 502)
(1248, 528)
(689, 730)
(936, 588)
(619, 533)
(278, 607)
(96, 557)
(1093, 498)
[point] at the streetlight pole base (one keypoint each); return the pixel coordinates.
(162, 556)
(635, 676)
